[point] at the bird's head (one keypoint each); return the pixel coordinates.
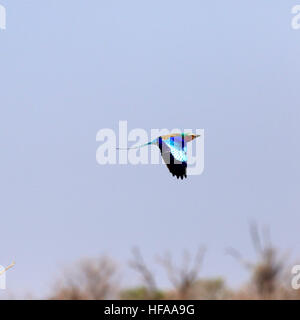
(191, 136)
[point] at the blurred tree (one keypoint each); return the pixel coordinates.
(267, 270)
(149, 290)
(210, 289)
(91, 279)
(185, 277)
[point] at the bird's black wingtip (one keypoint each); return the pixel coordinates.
(184, 176)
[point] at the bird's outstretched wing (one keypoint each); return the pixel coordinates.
(174, 153)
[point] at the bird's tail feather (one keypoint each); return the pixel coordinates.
(137, 147)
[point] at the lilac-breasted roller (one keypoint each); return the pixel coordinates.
(173, 150)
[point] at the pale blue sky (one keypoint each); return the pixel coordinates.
(69, 68)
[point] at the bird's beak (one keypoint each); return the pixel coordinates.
(197, 135)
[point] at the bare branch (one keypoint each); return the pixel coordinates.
(237, 255)
(184, 277)
(255, 237)
(140, 266)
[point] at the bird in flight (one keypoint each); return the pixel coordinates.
(173, 149)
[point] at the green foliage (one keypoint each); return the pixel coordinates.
(141, 293)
